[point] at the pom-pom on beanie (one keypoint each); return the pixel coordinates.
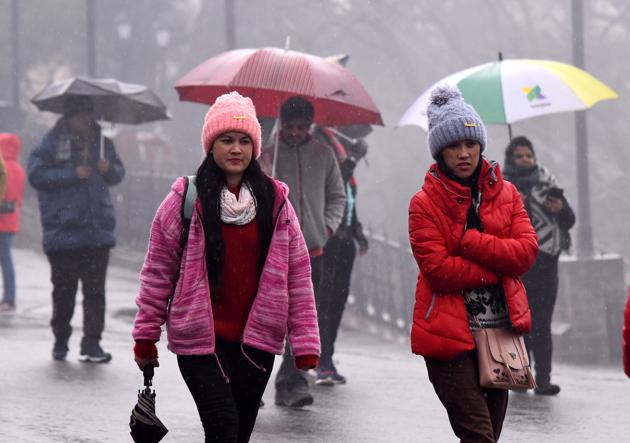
(451, 119)
(231, 112)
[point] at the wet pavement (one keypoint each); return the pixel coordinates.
(388, 397)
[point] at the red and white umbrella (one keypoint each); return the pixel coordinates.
(269, 76)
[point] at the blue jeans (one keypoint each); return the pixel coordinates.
(6, 261)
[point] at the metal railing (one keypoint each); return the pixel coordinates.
(383, 285)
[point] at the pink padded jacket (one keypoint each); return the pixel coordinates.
(284, 304)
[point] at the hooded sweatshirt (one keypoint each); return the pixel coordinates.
(14, 178)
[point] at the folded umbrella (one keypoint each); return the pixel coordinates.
(112, 100)
(145, 426)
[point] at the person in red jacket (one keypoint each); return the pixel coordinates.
(472, 240)
(626, 337)
(10, 215)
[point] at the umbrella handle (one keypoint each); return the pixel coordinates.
(148, 372)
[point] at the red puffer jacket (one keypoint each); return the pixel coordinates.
(626, 337)
(451, 260)
(10, 150)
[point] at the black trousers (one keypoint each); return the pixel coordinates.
(476, 414)
(339, 255)
(227, 410)
(289, 377)
(67, 268)
(541, 284)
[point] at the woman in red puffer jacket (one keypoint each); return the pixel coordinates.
(472, 240)
(10, 215)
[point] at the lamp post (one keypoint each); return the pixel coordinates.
(584, 229)
(15, 52)
(90, 31)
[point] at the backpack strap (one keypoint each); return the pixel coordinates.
(188, 206)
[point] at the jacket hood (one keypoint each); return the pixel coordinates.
(10, 146)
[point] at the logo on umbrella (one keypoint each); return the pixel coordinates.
(535, 97)
(534, 93)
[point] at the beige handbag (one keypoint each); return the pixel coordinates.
(502, 359)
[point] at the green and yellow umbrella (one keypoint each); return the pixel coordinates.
(506, 91)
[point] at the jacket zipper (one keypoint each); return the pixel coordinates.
(433, 297)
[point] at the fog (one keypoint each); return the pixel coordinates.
(397, 49)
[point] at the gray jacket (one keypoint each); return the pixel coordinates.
(315, 187)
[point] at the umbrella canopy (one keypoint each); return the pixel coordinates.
(269, 76)
(112, 100)
(145, 426)
(507, 91)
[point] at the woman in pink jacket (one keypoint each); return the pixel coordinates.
(240, 283)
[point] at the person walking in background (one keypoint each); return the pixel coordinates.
(72, 176)
(339, 254)
(472, 240)
(10, 207)
(245, 237)
(552, 217)
(316, 191)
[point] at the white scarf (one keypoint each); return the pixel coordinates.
(237, 211)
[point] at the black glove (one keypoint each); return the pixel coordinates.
(473, 221)
(363, 242)
(347, 168)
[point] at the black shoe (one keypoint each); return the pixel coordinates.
(549, 389)
(94, 354)
(60, 352)
(329, 378)
(295, 398)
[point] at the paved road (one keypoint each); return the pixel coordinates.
(388, 397)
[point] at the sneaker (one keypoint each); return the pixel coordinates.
(549, 389)
(94, 354)
(6, 306)
(59, 352)
(295, 398)
(329, 378)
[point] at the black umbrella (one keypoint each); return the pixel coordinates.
(111, 100)
(144, 424)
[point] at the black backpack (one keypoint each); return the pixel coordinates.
(188, 206)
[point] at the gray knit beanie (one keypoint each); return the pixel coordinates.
(451, 119)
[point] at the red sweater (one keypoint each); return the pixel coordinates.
(238, 281)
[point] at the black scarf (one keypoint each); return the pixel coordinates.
(523, 177)
(473, 221)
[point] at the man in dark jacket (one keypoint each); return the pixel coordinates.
(340, 250)
(72, 170)
(552, 217)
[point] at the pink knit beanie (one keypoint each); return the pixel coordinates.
(231, 112)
